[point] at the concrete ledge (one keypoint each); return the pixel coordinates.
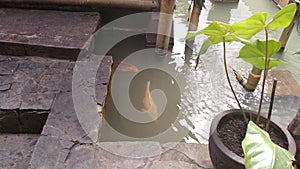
(56, 34)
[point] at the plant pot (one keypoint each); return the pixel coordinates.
(222, 157)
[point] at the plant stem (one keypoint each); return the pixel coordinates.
(228, 80)
(267, 60)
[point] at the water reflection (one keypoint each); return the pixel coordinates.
(202, 93)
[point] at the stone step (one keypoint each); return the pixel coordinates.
(64, 128)
(32, 83)
(16, 150)
(28, 88)
(56, 34)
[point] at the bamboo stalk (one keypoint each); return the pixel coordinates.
(253, 79)
(194, 20)
(165, 24)
(271, 104)
(193, 26)
(136, 4)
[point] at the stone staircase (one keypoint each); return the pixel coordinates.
(39, 128)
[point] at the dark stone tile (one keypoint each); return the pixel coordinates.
(10, 100)
(5, 87)
(37, 101)
(50, 152)
(33, 69)
(16, 150)
(16, 121)
(63, 122)
(103, 73)
(8, 65)
(51, 82)
(101, 92)
(9, 122)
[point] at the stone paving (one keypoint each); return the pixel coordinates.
(16, 150)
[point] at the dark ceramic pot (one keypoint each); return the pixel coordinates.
(222, 157)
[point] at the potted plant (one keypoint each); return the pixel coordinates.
(240, 127)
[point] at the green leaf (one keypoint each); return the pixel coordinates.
(283, 18)
(254, 53)
(192, 34)
(251, 26)
(296, 53)
(205, 45)
(217, 29)
(261, 153)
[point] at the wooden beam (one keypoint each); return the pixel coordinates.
(135, 4)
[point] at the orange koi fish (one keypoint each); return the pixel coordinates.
(149, 106)
(125, 67)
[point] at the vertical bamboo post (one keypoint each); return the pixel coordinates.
(287, 31)
(193, 26)
(165, 25)
(194, 19)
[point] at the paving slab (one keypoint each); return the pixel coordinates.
(63, 129)
(16, 150)
(57, 34)
(31, 83)
(82, 155)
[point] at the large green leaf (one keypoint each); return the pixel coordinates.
(217, 29)
(261, 153)
(192, 34)
(283, 18)
(251, 26)
(254, 53)
(205, 45)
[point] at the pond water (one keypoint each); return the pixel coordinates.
(187, 99)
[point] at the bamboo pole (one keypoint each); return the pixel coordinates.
(253, 79)
(165, 25)
(193, 26)
(194, 19)
(251, 83)
(136, 4)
